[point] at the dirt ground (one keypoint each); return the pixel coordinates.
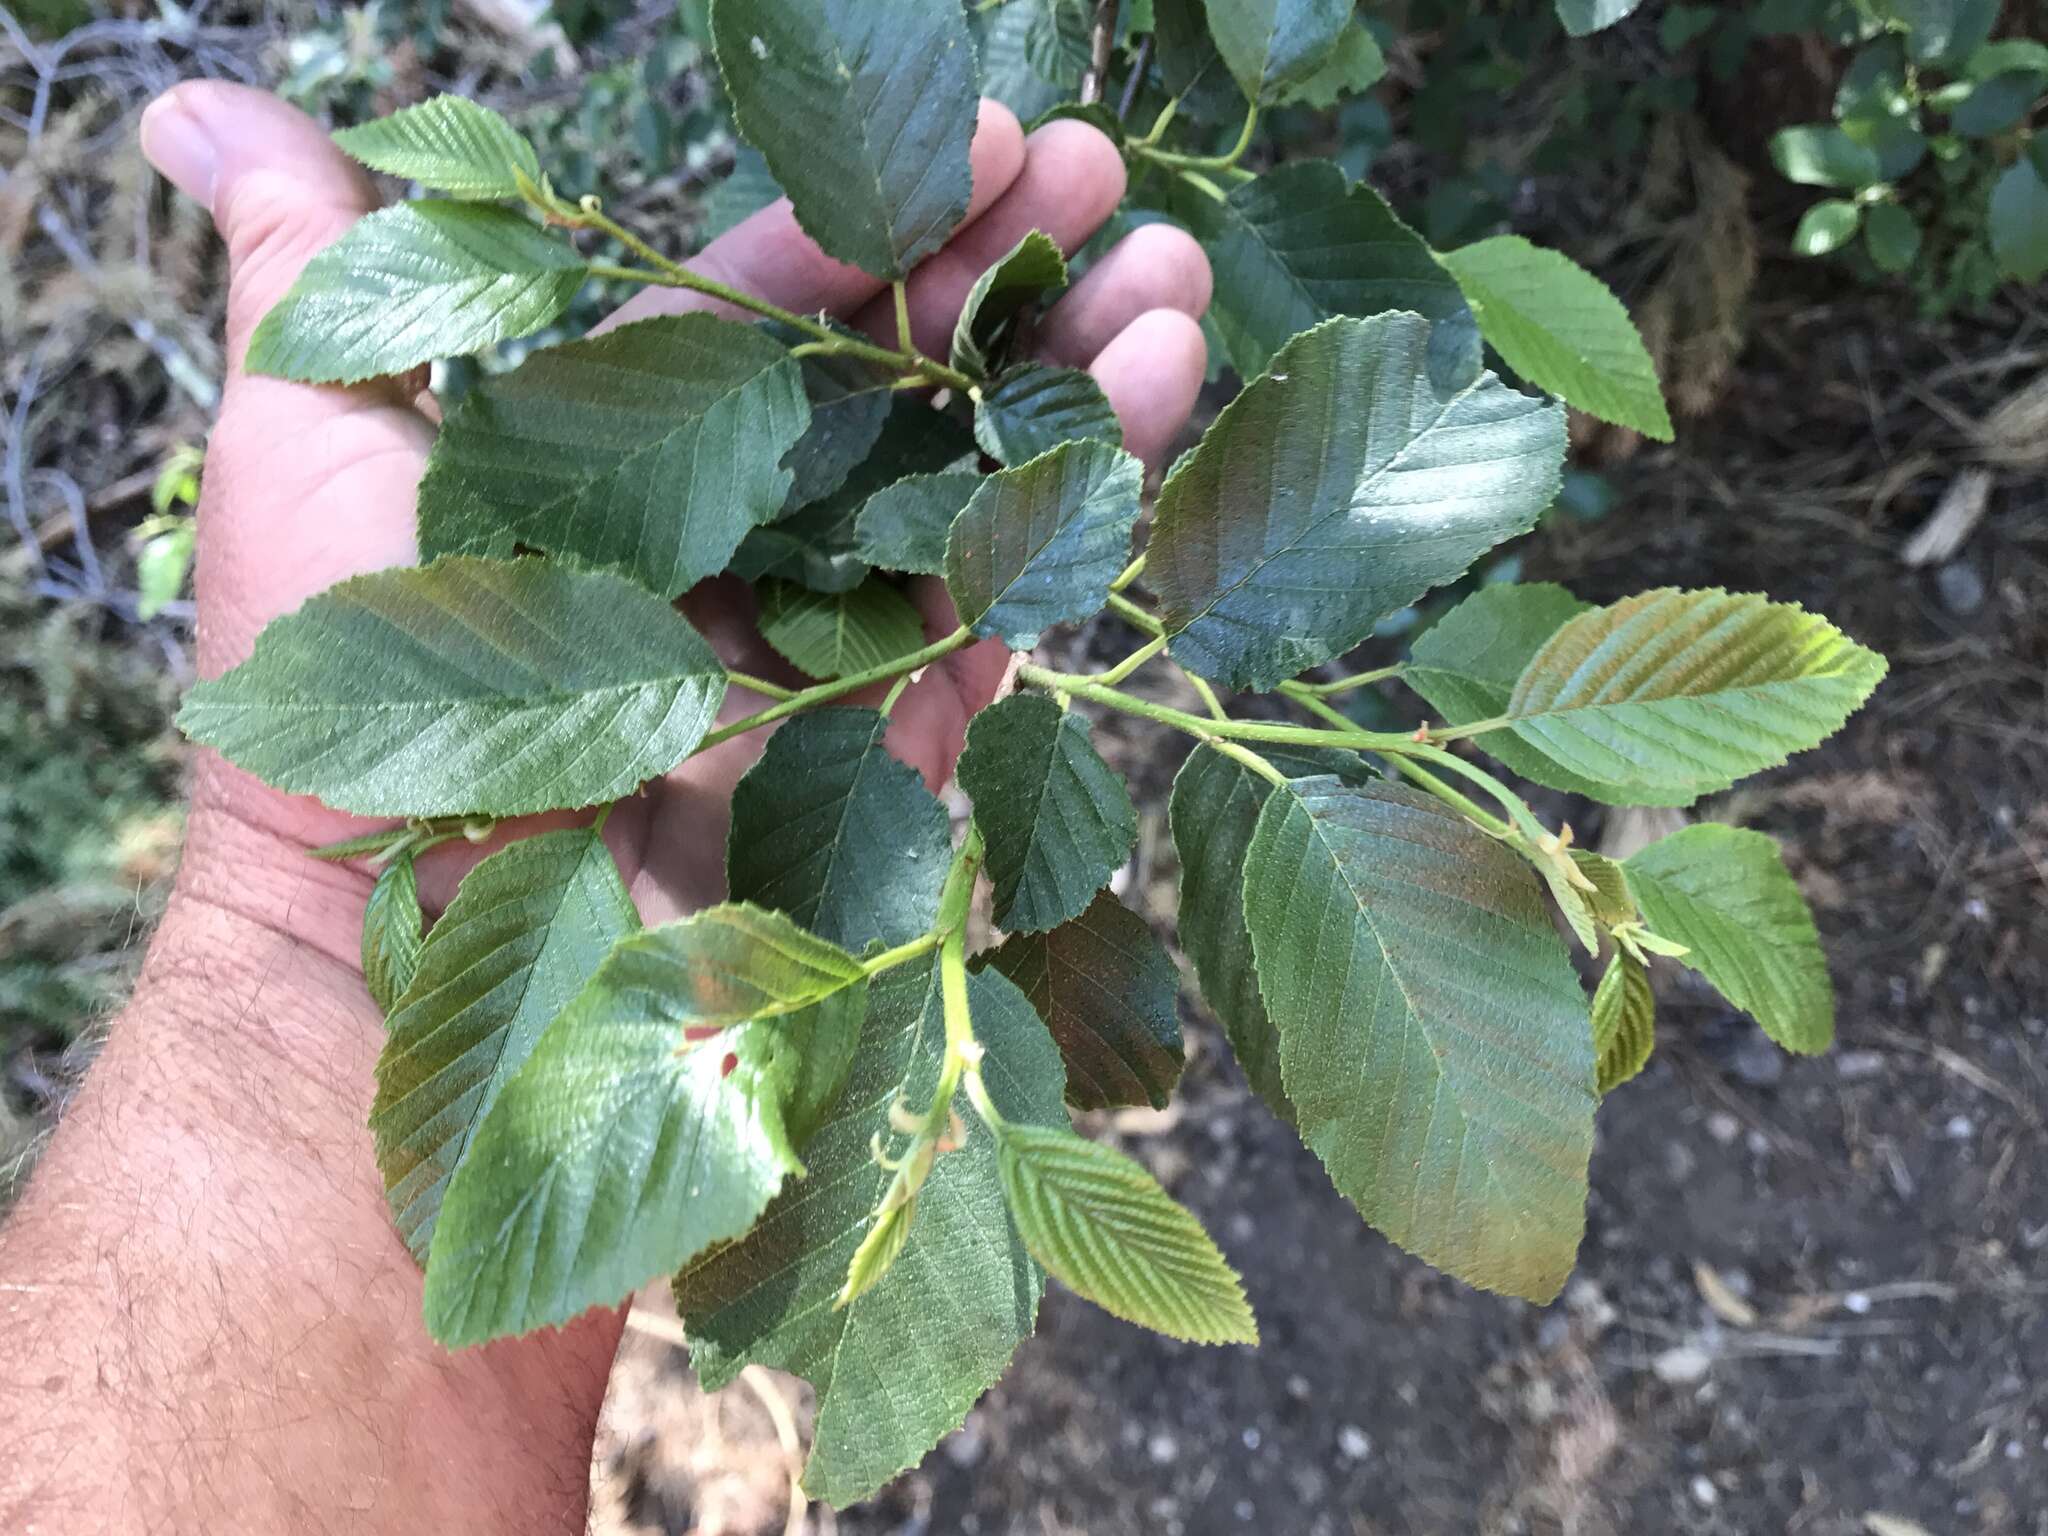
(1813, 1296)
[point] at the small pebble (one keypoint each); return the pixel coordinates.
(1723, 1127)
(1961, 588)
(1758, 1062)
(1704, 1491)
(1354, 1443)
(965, 1446)
(1162, 1448)
(1854, 1066)
(1682, 1364)
(1244, 1510)
(1959, 1128)
(1251, 1437)
(1857, 1302)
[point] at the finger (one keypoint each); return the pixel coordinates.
(928, 726)
(1072, 180)
(1152, 373)
(769, 255)
(304, 485)
(1159, 266)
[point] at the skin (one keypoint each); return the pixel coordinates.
(206, 1320)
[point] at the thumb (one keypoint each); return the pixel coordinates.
(277, 187)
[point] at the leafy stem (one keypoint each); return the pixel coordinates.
(1148, 148)
(839, 687)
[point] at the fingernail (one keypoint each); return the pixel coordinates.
(177, 144)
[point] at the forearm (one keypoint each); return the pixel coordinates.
(206, 1320)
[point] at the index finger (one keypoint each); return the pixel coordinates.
(769, 255)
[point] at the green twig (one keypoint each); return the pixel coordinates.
(824, 693)
(759, 685)
(1355, 680)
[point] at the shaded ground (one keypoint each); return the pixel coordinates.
(1811, 1291)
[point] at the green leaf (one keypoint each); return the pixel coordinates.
(1892, 236)
(1189, 65)
(740, 194)
(450, 145)
(1039, 545)
(1624, 1021)
(1109, 994)
(1611, 900)
(1816, 155)
(2019, 220)
(1433, 1036)
(903, 527)
(1008, 40)
(1726, 895)
(623, 1148)
(525, 931)
(863, 113)
(494, 687)
(818, 544)
(1215, 805)
(393, 933)
(851, 403)
(1583, 17)
(412, 283)
(1101, 1224)
(1336, 489)
(831, 829)
(1827, 226)
(1669, 695)
(1996, 104)
(1272, 46)
(1467, 663)
(1559, 327)
(835, 634)
(652, 449)
(1354, 66)
(1033, 268)
(1033, 409)
(1057, 820)
(1301, 244)
(901, 1364)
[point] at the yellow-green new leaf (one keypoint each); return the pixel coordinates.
(1101, 1224)
(1624, 1021)
(832, 634)
(1433, 1035)
(412, 283)
(1033, 268)
(657, 1116)
(1274, 46)
(1561, 328)
(1726, 895)
(393, 933)
(448, 144)
(1666, 696)
(495, 687)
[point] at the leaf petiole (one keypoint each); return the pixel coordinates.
(824, 693)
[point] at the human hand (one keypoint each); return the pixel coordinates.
(202, 1277)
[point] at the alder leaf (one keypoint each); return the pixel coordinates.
(1215, 806)
(1300, 244)
(1559, 327)
(833, 634)
(1354, 66)
(1033, 409)
(818, 544)
(525, 931)
(831, 829)
(494, 687)
(1102, 1225)
(393, 933)
(1624, 1021)
(1434, 1039)
(1057, 820)
(863, 113)
(412, 283)
(1725, 894)
(903, 527)
(1582, 17)
(1272, 46)
(448, 144)
(1669, 695)
(740, 194)
(1033, 268)
(1109, 993)
(1337, 488)
(625, 1146)
(652, 449)
(1466, 665)
(1039, 545)
(850, 404)
(899, 1366)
